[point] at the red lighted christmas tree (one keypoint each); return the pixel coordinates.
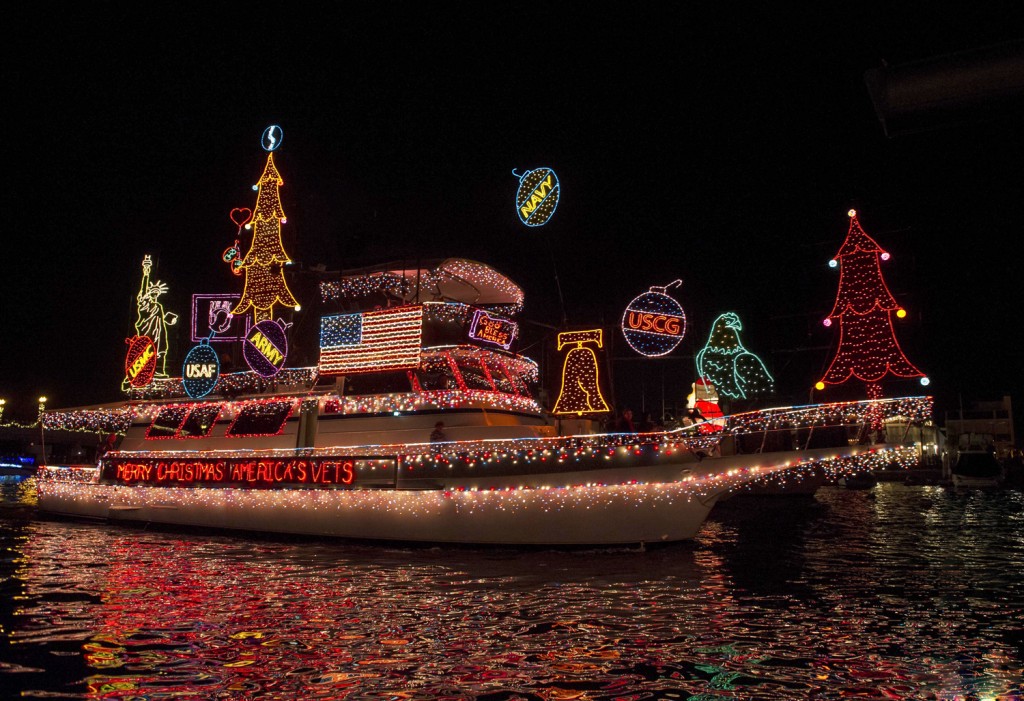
(868, 350)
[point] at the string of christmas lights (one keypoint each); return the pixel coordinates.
(231, 384)
(75, 485)
(411, 285)
(849, 416)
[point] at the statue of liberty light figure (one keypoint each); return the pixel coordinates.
(153, 320)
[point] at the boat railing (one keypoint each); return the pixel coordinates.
(779, 429)
(771, 430)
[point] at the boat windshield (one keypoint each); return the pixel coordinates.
(260, 419)
(440, 371)
(167, 422)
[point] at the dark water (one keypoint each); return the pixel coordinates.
(894, 593)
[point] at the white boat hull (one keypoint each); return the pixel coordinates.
(653, 504)
(574, 516)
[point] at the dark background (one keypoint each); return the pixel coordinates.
(722, 149)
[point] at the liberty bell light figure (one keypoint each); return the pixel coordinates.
(581, 392)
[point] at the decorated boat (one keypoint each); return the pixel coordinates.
(321, 463)
(418, 419)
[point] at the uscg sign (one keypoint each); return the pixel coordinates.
(653, 322)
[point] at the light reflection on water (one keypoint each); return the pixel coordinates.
(894, 593)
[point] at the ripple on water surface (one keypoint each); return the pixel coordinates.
(894, 593)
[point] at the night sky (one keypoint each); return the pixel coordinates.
(723, 150)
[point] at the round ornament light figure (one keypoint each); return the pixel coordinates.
(654, 323)
(140, 361)
(200, 372)
(537, 196)
(265, 348)
(272, 138)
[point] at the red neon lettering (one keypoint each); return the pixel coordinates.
(130, 472)
(267, 471)
(283, 472)
(658, 323)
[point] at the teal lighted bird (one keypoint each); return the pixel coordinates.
(735, 371)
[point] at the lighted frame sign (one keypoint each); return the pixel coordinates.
(388, 339)
(492, 329)
(653, 322)
(212, 319)
(336, 472)
(537, 196)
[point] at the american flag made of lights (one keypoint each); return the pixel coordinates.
(388, 339)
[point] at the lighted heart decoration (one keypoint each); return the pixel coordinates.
(241, 215)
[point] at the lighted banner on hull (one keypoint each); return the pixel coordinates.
(335, 472)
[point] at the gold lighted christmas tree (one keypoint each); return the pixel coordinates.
(264, 262)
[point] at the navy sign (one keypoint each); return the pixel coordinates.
(537, 196)
(200, 372)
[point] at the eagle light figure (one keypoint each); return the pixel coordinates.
(734, 370)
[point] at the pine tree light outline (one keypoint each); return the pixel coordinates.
(868, 349)
(264, 262)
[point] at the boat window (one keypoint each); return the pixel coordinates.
(474, 375)
(260, 419)
(377, 383)
(438, 377)
(501, 379)
(167, 422)
(200, 421)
